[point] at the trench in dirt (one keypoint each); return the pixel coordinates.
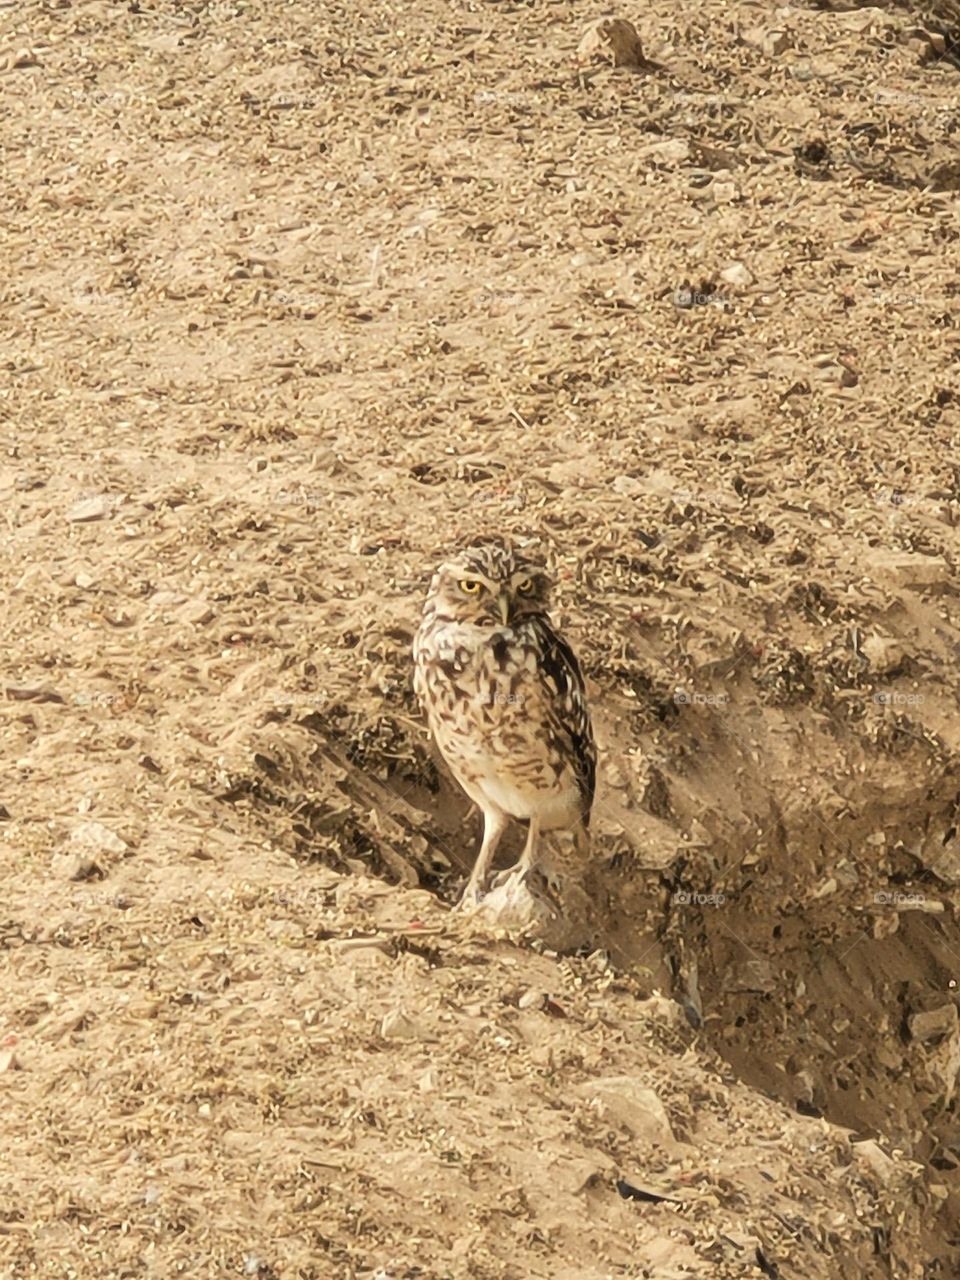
(804, 950)
(785, 874)
(843, 1008)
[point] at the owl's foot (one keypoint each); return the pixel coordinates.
(517, 873)
(526, 874)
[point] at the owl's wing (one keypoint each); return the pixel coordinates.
(560, 671)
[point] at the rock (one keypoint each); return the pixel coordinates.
(934, 1023)
(30, 692)
(736, 274)
(77, 866)
(920, 46)
(9, 1061)
(583, 259)
(612, 40)
(937, 42)
(396, 1025)
(354, 946)
(873, 20)
(885, 925)
(531, 999)
(723, 192)
(883, 1166)
(806, 1087)
(634, 1106)
(940, 853)
(575, 1175)
(753, 975)
(776, 42)
(882, 652)
(663, 1010)
(196, 612)
(571, 474)
(771, 41)
(906, 569)
(945, 177)
(94, 835)
(512, 905)
(560, 917)
(86, 510)
(670, 151)
(634, 1188)
(944, 1065)
(614, 776)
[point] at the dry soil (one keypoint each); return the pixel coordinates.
(293, 298)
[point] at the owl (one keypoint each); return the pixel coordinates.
(505, 700)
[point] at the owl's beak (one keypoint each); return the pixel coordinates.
(503, 604)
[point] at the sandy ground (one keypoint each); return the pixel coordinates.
(295, 298)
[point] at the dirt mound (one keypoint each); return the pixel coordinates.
(311, 1075)
(296, 298)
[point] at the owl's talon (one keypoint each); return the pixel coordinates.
(471, 898)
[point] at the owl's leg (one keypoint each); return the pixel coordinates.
(528, 859)
(529, 856)
(494, 825)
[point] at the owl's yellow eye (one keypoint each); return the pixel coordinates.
(525, 587)
(469, 588)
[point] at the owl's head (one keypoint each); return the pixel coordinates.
(490, 583)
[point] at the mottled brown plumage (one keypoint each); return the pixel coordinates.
(504, 699)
